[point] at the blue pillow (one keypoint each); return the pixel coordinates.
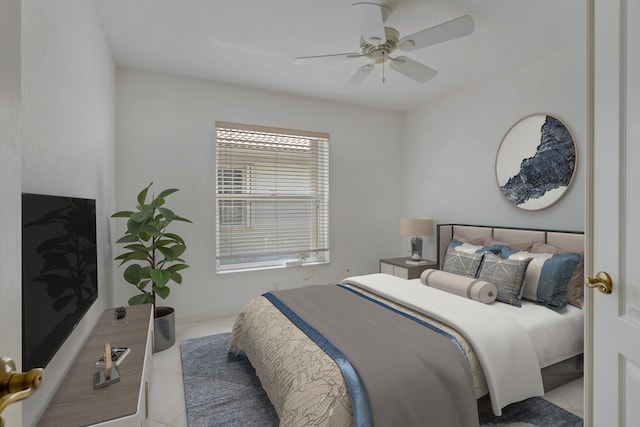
(547, 276)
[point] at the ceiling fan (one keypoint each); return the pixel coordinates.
(378, 43)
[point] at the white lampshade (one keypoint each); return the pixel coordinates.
(416, 226)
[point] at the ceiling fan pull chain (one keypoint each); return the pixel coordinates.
(383, 62)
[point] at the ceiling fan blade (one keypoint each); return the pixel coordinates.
(326, 58)
(359, 76)
(371, 17)
(453, 29)
(412, 69)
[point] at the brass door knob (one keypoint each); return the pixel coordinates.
(15, 386)
(601, 282)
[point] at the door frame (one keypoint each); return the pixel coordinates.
(589, 223)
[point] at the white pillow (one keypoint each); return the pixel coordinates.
(468, 248)
(532, 273)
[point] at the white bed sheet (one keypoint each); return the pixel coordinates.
(555, 336)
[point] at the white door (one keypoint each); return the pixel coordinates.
(613, 222)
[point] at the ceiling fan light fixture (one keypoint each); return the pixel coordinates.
(379, 56)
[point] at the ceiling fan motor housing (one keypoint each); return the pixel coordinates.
(380, 53)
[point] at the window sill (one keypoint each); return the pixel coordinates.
(290, 264)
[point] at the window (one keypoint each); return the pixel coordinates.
(233, 212)
(272, 196)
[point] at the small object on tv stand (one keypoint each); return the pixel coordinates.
(109, 375)
(119, 315)
(118, 354)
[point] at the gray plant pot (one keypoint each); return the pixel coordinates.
(164, 328)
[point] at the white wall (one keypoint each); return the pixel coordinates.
(10, 165)
(450, 146)
(68, 128)
(166, 134)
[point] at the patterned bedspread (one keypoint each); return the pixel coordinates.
(304, 384)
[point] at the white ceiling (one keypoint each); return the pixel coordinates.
(253, 43)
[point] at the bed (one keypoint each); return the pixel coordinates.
(505, 346)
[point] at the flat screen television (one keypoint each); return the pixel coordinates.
(59, 272)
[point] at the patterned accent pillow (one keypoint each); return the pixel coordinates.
(575, 286)
(461, 263)
(547, 276)
(506, 274)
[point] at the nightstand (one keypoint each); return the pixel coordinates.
(399, 267)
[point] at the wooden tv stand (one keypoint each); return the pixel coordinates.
(124, 403)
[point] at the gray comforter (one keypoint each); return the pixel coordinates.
(413, 374)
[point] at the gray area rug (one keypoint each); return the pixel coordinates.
(222, 390)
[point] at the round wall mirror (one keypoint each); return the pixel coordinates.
(536, 162)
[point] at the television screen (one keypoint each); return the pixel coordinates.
(59, 272)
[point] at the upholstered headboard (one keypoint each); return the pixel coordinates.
(563, 240)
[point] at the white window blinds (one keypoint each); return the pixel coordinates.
(272, 196)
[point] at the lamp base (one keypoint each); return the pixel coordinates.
(416, 248)
(413, 262)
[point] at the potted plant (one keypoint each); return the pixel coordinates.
(154, 258)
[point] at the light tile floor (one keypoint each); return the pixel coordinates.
(167, 407)
(569, 396)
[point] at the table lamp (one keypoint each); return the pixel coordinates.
(416, 227)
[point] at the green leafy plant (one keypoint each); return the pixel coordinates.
(153, 252)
